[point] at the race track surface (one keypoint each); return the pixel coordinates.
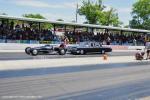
(124, 81)
(24, 56)
(111, 81)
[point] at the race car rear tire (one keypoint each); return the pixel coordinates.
(62, 51)
(34, 52)
(82, 52)
(27, 50)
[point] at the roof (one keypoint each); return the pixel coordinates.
(73, 24)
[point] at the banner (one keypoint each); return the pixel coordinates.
(55, 42)
(117, 47)
(33, 42)
(11, 41)
(45, 42)
(2, 41)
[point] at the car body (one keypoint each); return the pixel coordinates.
(89, 47)
(46, 49)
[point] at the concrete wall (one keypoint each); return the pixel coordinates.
(18, 46)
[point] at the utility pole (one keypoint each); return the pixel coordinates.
(77, 13)
(100, 3)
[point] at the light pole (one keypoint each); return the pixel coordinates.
(77, 13)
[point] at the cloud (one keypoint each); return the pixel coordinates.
(66, 18)
(55, 16)
(42, 4)
(70, 4)
(107, 7)
(125, 14)
(32, 3)
(119, 10)
(124, 10)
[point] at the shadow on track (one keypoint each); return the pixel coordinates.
(66, 69)
(129, 91)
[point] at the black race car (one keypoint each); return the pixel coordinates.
(61, 50)
(89, 47)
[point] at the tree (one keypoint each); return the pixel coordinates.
(37, 16)
(3, 14)
(110, 18)
(127, 26)
(91, 11)
(73, 21)
(60, 20)
(95, 13)
(141, 15)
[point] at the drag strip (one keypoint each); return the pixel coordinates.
(24, 56)
(99, 82)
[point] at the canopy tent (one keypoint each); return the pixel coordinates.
(74, 24)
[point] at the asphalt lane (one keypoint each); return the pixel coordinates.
(126, 81)
(133, 91)
(24, 56)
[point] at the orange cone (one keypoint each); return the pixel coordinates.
(105, 57)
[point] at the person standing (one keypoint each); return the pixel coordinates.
(147, 47)
(66, 40)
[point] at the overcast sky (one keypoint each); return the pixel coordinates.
(63, 9)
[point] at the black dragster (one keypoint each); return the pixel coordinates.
(46, 49)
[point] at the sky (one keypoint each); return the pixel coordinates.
(62, 9)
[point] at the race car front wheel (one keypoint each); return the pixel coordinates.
(62, 52)
(34, 52)
(82, 52)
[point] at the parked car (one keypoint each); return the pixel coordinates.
(46, 49)
(89, 47)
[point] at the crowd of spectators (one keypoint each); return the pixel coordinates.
(26, 33)
(18, 32)
(107, 38)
